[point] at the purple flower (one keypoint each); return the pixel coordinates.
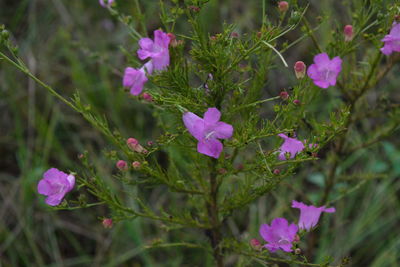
(157, 50)
(309, 215)
(291, 146)
(392, 40)
(207, 131)
(55, 184)
(106, 3)
(324, 71)
(134, 79)
(280, 235)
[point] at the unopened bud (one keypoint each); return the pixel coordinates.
(234, 35)
(296, 239)
(300, 69)
(296, 102)
(194, 8)
(147, 97)
(283, 6)
(136, 165)
(134, 145)
(259, 34)
(122, 165)
(297, 251)
(348, 33)
(284, 95)
(107, 223)
(277, 171)
(150, 143)
(254, 243)
(213, 38)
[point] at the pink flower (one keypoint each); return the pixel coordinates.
(280, 235)
(135, 146)
(134, 79)
(348, 33)
(309, 215)
(157, 50)
(392, 40)
(55, 184)
(207, 131)
(291, 146)
(283, 6)
(122, 165)
(106, 3)
(324, 71)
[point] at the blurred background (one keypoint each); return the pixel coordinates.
(77, 45)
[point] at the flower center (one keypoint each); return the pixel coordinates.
(283, 241)
(209, 135)
(327, 74)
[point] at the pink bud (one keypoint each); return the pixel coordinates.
(296, 102)
(296, 239)
(122, 165)
(348, 33)
(284, 95)
(150, 143)
(277, 171)
(254, 243)
(147, 97)
(283, 6)
(171, 36)
(134, 145)
(300, 69)
(107, 223)
(234, 35)
(259, 34)
(136, 165)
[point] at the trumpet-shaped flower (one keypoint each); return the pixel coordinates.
(392, 40)
(325, 71)
(134, 79)
(291, 146)
(309, 215)
(55, 184)
(157, 50)
(280, 235)
(207, 131)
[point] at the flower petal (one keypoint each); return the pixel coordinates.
(194, 124)
(212, 115)
(54, 200)
(223, 130)
(212, 148)
(44, 187)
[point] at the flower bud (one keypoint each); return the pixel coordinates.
(136, 165)
(150, 143)
(277, 171)
(284, 95)
(122, 165)
(283, 6)
(194, 8)
(254, 243)
(134, 145)
(107, 223)
(296, 102)
(300, 69)
(297, 251)
(234, 35)
(348, 33)
(147, 97)
(296, 239)
(259, 34)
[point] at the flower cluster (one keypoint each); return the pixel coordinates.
(281, 236)
(158, 53)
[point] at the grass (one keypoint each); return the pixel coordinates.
(75, 45)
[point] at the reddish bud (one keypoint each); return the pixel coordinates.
(107, 223)
(277, 171)
(136, 165)
(213, 38)
(171, 36)
(150, 143)
(300, 69)
(147, 97)
(283, 6)
(194, 8)
(134, 145)
(348, 33)
(254, 243)
(234, 35)
(240, 167)
(284, 95)
(80, 156)
(296, 239)
(259, 34)
(296, 102)
(122, 165)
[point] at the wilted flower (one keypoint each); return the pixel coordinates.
(348, 33)
(122, 165)
(291, 146)
(207, 131)
(134, 145)
(392, 40)
(324, 71)
(106, 3)
(55, 184)
(280, 235)
(283, 6)
(157, 50)
(309, 215)
(300, 69)
(134, 79)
